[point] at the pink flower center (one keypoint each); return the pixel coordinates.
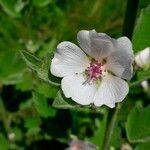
(95, 71)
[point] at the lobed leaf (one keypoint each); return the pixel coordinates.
(138, 124)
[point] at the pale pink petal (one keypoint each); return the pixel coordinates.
(120, 61)
(73, 87)
(111, 90)
(68, 59)
(97, 45)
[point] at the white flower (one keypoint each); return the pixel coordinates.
(94, 75)
(142, 59)
(81, 145)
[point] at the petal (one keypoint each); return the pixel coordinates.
(73, 87)
(120, 61)
(97, 45)
(68, 59)
(111, 90)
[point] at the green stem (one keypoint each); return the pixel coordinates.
(112, 116)
(130, 17)
(138, 82)
(129, 21)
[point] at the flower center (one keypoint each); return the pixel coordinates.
(95, 71)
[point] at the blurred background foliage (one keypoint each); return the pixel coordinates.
(27, 119)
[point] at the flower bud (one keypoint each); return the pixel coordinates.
(142, 59)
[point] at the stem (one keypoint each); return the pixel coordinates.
(130, 17)
(129, 21)
(138, 82)
(112, 116)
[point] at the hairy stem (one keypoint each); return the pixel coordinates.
(112, 116)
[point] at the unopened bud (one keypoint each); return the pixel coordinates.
(142, 59)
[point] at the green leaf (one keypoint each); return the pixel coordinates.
(11, 71)
(64, 103)
(9, 7)
(41, 3)
(32, 122)
(18, 134)
(33, 125)
(47, 90)
(143, 146)
(141, 36)
(33, 62)
(144, 3)
(138, 124)
(3, 143)
(26, 82)
(41, 67)
(98, 137)
(42, 106)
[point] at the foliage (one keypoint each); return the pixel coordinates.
(34, 112)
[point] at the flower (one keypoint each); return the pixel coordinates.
(142, 59)
(96, 74)
(81, 145)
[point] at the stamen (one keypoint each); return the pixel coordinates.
(94, 72)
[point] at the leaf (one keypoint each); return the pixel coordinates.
(11, 71)
(64, 103)
(143, 146)
(26, 82)
(3, 142)
(32, 122)
(9, 7)
(141, 35)
(42, 106)
(41, 67)
(41, 3)
(138, 124)
(47, 90)
(144, 3)
(98, 137)
(33, 125)
(32, 62)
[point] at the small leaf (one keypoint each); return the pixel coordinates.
(32, 62)
(32, 122)
(64, 103)
(138, 124)
(41, 67)
(47, 90)
(42, 106)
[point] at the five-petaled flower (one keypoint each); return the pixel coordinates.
(96, 74)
